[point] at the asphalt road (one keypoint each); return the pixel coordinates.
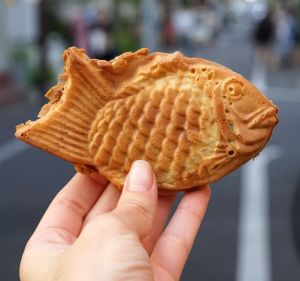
(29, 179)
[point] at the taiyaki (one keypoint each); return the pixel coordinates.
(193, 120)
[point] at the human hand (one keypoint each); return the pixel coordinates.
(92, 231)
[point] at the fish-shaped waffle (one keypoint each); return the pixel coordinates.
(193, 120)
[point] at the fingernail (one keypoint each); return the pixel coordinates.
(140, 177)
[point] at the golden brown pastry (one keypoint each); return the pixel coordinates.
(192, 119)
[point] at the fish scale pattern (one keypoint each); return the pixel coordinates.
(193, 120)
(160, 124)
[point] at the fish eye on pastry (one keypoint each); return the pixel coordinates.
(193, 120)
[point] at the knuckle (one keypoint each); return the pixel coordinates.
(190, 212)
(136, 208)
(71, 204)
(109, 222)
(136, 216)
(104, 226)
(175, 241)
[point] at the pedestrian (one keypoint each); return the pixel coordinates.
(264, 34)
(92, 231)
(285, 37)
(101, 36)
(79, 27)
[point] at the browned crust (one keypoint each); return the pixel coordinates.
(112, 81)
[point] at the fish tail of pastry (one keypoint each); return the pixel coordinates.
(65, 122)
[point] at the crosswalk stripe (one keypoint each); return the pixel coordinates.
(254, 253)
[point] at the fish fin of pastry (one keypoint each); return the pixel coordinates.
(64, 123)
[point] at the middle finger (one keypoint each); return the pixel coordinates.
(164, 205)
(106, 203)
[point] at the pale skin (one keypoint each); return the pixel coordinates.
(92, 231)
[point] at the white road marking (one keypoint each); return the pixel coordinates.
(10, 149)
(254, 255)
(259, 74)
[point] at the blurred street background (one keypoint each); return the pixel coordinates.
(252, 227)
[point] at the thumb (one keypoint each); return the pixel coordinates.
(137, 205)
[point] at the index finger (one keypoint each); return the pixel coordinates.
(173, 247)
(63, 219)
